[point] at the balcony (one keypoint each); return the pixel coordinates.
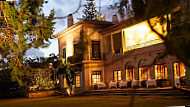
(97, 56)
(142, 45)
(117, 53)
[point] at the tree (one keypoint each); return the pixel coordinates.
(90, 12)
(23, 26)
(43, 62)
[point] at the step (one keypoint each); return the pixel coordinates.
(146, 92)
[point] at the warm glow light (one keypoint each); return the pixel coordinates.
(130, 74)
(160, 71)
(117, 76)
(144, 73)
(141, 33)
(96, 79)
(179, 69)
(65, 82)
(77, 80)
(69, 48)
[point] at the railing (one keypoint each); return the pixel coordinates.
(148, 43)
(94, 56)
(97, 56)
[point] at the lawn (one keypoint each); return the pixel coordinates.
(104, 101)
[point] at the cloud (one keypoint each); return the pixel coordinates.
(34, 53)
(53, 48)
(60, 22)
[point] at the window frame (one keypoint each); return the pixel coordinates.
(77, 80)
(117, 75)
(179, 62)
(97, 75)
(93, 54)
(133, 74)
(112, 42)
(147, 74)
(64, 55)
(160, 69)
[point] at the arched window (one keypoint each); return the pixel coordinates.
(129, 69)
(160, 68)
(179, 69)
(144, 72)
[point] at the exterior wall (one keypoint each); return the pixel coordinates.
(89, 67)
(116, 61)
(135, 56)
(89, 33)
(67, 40)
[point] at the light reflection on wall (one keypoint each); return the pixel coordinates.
(141, 33)
(69, 45)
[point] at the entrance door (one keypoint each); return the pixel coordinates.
(179, 72)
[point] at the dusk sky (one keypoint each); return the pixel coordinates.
(63, 8)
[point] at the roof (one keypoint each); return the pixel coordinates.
(97, 23)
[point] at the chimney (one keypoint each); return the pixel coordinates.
(115, 19)
(70, 20)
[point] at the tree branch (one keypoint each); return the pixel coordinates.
(16, 7)
(160, 35)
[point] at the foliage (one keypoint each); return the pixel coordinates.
(42, 79)
(79, 50)
(69, 71)
(70, 77)
(23, 26)
(43, 62)
(90, 12)
(74, 63)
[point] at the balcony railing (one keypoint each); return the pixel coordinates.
(97, 56)
(148, 43)
(94, 56)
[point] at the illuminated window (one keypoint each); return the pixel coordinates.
(144, 73)
(117, 76)
(160, 71)
(77, 80)
(96, 77)
(117, 43)
(130, 74)
(140, 35)
(64, 82)
(179, 69)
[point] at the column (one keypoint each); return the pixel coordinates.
(188, 77)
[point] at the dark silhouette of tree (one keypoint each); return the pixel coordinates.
(176, 21)
(23, 26)
(90, 12)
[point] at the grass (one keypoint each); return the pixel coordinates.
(104, 101)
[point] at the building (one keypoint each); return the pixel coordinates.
(116, 52)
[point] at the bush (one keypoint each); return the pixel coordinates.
(42, 80)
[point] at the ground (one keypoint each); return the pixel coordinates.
(95, 101)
